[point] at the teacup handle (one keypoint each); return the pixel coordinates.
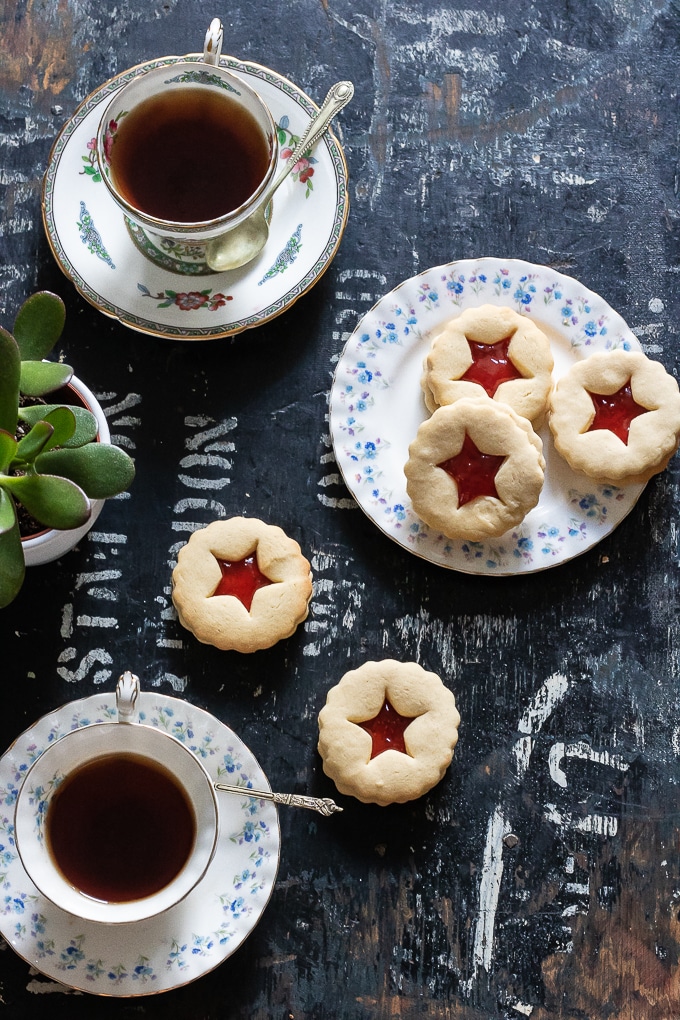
(127, 692)
(212, 47)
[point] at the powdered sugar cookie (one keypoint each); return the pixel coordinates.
(616, 417)
(475, 469)
(494, 351)
(387, 732)
(241, 584)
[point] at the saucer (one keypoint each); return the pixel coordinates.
(189, 939)
(376, 407)
(167, 290)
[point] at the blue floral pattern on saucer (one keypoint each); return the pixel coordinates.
(376, 406)
(192, 937)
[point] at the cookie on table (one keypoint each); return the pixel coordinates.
(615, 417)
(241, 584)
(490, 351)
(475, 469)
(387, 732)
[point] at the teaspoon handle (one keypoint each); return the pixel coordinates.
(324, 805)
(338, 96)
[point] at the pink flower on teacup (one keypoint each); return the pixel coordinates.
(110, 133)
(218, 301)
(303, 168)
(108, 139)
(306, 170)
(188, 302)
(194, 299)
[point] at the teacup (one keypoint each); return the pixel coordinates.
(118, 821)
(186, 149)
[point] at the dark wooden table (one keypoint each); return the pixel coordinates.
(540, 878)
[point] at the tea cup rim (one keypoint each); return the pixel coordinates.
(205, 228)
(43, 871)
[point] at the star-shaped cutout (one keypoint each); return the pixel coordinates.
(241, 578)
(387, 730)
(473, 472)
(491, 365)
(615, 411)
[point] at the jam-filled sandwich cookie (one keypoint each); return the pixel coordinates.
(494, 352)
(241, 584)
(616, 417)
(475, 469)
(387, 732)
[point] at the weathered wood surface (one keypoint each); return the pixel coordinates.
(541, 877)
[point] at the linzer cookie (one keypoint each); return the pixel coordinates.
(241, 584)
(616, 417)
(494, 351)
(475, 469)
(387, 732)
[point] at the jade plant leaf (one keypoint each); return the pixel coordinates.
(8, 517)
(8, 449)
(39, 324)
(33, 443)
(99, 469)
(10, 372)
(55, 502)
(63, 423)
(11, 557)
(40, 377)
(86, 424)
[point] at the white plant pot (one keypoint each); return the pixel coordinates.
(50, 544)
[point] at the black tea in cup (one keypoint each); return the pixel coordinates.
(187, 155)
(120, 828)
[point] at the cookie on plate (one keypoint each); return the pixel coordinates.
(241, 584)
(387, 732)
(475, 469)
(494, 351)
(615, 417)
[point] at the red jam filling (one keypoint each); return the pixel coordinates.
(241, 579)
(387, 730)
(491, 365)
(615, 411)
(473, 472)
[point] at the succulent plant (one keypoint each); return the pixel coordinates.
(50, 460)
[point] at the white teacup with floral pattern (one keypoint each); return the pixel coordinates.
(204, 81)
(117, 846)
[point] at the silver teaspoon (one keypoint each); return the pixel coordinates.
(239, 246)
(324, 805)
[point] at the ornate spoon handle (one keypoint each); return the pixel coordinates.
(324, 805)
(338, 96)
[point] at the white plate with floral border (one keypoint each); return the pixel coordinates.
(376, 407)
(192, 937)
(169, 291)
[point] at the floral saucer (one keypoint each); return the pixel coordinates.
(376, 406)
(191, 938)
(168, 290)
